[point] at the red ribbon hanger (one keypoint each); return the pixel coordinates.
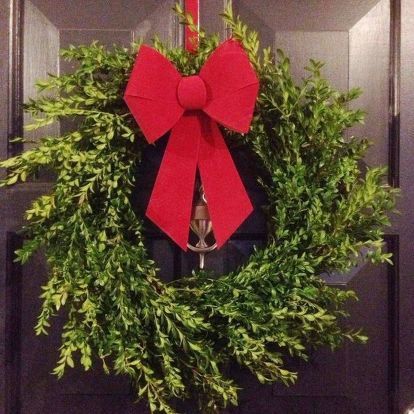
(191, 37)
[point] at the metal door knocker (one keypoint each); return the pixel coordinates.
(201, 226)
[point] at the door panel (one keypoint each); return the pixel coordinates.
(51, 25)
(353, 39)
(353, 379)
(47, 27)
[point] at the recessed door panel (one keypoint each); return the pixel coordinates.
(353, 39)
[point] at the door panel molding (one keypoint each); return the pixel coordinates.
(394, 94)
(12, 325)
(15, 127)
(393, 246)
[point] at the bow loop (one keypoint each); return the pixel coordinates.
(232, 86)
(152, 91)
(161, 100)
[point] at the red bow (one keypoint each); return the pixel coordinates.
(161, 99)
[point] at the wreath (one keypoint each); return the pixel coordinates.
(174, 340)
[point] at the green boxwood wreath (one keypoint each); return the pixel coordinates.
(175, 339)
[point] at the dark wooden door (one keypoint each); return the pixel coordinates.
(360, 42)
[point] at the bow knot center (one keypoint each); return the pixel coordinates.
(191, 92)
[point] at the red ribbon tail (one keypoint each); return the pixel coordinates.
(227, 199)
(172, 196)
